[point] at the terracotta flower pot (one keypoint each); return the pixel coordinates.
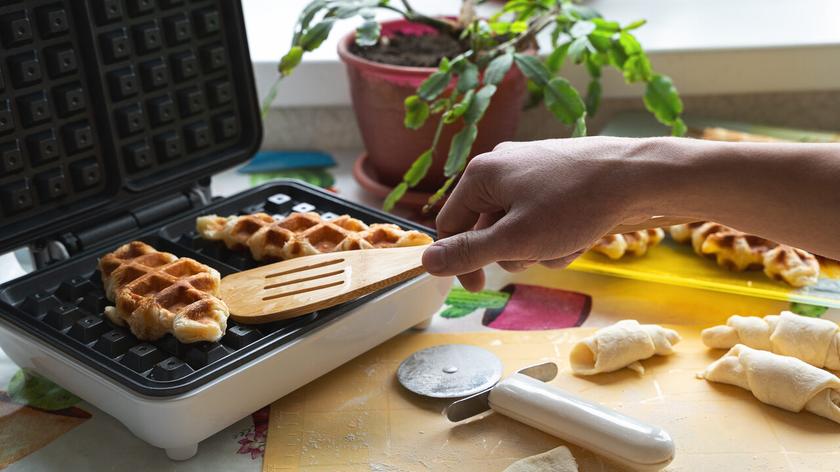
(378, 92)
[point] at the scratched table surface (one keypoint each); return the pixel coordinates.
(80, 437)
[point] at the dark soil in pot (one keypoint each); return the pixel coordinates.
(411, 50)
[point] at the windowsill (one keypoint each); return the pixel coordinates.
(712, 47)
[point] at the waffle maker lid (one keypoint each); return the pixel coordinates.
(107, 106)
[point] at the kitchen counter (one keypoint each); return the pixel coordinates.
(99, 442)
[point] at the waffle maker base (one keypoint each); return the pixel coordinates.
(173, 395)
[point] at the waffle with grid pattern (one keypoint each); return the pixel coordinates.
(636, 243)
(739, 251)
(157, 293)
(303, 234)
(791, 265)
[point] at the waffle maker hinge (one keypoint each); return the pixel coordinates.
(49, 251)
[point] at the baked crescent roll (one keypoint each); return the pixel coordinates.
(621, 345)
(782, 381)
(813, 340)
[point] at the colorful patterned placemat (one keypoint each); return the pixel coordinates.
(358, 418)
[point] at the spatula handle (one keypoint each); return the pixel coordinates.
(623, 439)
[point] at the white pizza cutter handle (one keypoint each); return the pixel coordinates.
(620, 438)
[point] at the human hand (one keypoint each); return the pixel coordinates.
(544, 201)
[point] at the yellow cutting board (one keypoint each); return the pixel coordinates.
(677, 264)
(358, 418)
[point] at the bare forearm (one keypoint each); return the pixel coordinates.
(789, 193)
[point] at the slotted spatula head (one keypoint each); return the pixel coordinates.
(299, 286)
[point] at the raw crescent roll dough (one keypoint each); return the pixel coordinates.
(782, 381)
(812, 340)
(559, 459)
(621, 345)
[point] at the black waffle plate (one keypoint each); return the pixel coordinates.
(101, 100)
(63, 305)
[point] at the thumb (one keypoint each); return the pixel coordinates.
(468, 251)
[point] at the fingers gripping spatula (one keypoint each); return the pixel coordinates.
(457, 370)
(299, 286)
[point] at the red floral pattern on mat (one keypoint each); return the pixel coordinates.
(252, 441)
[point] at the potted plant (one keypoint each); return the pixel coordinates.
(471, 99)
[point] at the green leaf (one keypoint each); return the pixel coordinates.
(629, 43)
(440, 193)
(290, 61)
(634, 25)
(535, 96)
(497, 69)
(419, 168)
(532, 68)
(580, 11)
(616, 55)
(601, 41)
(678, 129)
(594, 62)
(459, 150)
(316, 35)
(637, 68)
(444, 65)
(518, 27)
(368, 33)
(563, 100)
(516, 5)
(479, 104)
(309, 13)
(416, 112)
(439, 105)
(461, 107)
(608, 26)
(580, 127)
(661, 99)
(434, 85)
(593, 97)
(394, 196)
(578, 47)
(29, 388)
(467, 77)
(500, 28)
(813, 311)
(554, 61)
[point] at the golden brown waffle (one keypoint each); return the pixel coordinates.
(302, 234)
(636, 243)
(788, 264)
(157, 293)
(682, 233)
(740, 251)
(731, 248)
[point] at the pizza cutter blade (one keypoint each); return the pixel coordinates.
(526, 397)
(450, 371)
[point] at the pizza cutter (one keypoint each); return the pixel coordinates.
(458, 370)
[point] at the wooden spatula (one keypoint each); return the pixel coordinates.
(299, 286)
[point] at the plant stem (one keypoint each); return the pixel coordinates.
(532, 31)
(411, 15)
(407, 6)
